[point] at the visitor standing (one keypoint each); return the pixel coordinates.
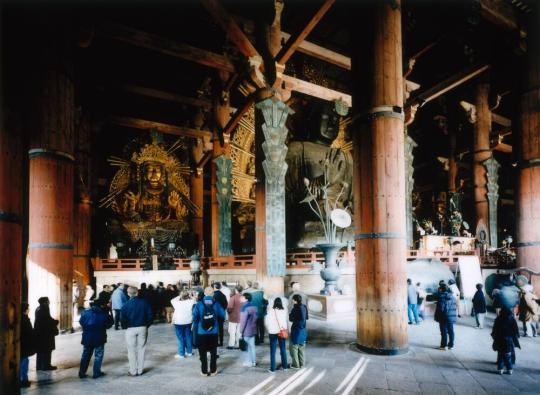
(412, 303)
(205, 319)
(45, 329)
(445, 315)
(118, 299)
(27, 345)
(88, 296)
(260, 303)
(94, 322)
(276, 325)
(105, 294)
(137, 316)
(452, 286)
(297, 342)
(505, 336)
(219, 297)
(296, 289)
(479, 306)
(233, 308)
(182, 319)
(422, 295)
(528, 310)
(226, 290)
(248, 328)
(168, 295)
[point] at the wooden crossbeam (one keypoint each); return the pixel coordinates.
(321, 53)
(231, 28)
(137, 123)
(447, 85)
(173, 97)
(502, 14)
(166, 46)
(235, 119)
(294, 41)
(311, 89)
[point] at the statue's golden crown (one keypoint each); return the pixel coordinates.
(154, 153)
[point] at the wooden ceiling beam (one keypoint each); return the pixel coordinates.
(447, 85)
(311, 89)
(231, 28)
(235, 119)
(167, 96)
(496, 118)
(321, 53)
(501, 14)
(294, 41)
(137, 123)
(165, 46)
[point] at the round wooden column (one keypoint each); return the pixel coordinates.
(197, 197)
(50, 261)
(379, 180)
(51, 186)
(81, 246)
(11, 179)
(528, 194)
(482, 152)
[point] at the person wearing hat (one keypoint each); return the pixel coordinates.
(94, 321)
(45, 329)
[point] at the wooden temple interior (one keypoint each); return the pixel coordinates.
(143, 135)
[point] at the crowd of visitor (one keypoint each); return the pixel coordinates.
(199, 315)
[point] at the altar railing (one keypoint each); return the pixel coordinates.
(294, 260)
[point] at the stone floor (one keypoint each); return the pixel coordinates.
(332, 368)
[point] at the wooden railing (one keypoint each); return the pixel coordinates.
(295, 260)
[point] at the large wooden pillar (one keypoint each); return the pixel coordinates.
(50, 261)
(528, 196)
(11, 196)
(197, 195)
(379, 179)
(82, 226)
(482, 152)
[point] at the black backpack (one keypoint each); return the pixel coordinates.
(208, 319)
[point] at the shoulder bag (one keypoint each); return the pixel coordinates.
(283, 333)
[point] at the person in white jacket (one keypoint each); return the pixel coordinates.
(182, 319)
(276, 326)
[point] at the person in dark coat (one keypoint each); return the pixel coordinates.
(94, 321)
(505, 336)
(446, 315)
(479, 306)
(297, 342)
(27, 345)
(45, 329)
(219, 297)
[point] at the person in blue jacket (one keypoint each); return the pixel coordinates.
(297, 342)
(94, 321)
(118, 299)
(446, 315)
(206, 316)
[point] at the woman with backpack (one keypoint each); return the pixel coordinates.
(276, 325)
(297, 344)
(205, 321)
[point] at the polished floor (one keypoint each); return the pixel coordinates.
(333, 367)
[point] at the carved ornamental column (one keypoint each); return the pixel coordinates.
(275, 113)
(379, 179)
(224, 199)
(528, 193)
(492, 174)
(410, 145)
(50, 261)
